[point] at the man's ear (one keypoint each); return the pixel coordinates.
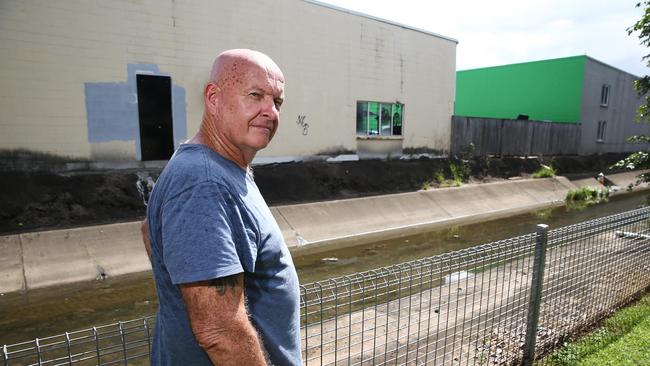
(210, 97)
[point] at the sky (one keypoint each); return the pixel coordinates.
(502, 32)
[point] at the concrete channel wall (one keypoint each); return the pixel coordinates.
(46, 258)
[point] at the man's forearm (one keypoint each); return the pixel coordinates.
(220, 323)
(238, 344)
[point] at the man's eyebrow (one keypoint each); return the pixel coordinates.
(266, 91)
(259, 89)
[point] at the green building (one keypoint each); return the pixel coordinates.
(548, 90)
(571, 90)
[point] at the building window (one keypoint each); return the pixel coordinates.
(600, 135)
(379, 119)
(604, 96)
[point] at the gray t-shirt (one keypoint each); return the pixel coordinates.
(207, 219)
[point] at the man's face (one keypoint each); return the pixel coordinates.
(248, 109)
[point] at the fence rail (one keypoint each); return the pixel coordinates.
(508, 137)
(468, 307)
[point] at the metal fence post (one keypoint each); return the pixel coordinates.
(535, 294)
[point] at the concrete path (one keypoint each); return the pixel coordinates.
(40, 259)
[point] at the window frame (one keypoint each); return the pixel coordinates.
(604, 95)
(600, 132)
(391, 126)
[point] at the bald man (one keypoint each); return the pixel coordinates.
(226, 283)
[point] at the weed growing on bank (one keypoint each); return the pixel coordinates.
(579, 199)
(439, 176)
(545, 171)
(459, 173)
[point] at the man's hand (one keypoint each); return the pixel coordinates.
(220, 323)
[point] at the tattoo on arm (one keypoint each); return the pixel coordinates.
(221, 285)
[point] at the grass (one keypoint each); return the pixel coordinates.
(578, 199)
(623, 339)
(544, 172)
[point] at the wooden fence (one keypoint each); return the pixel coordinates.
(508, 137)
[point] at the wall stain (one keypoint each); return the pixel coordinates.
(112, 109)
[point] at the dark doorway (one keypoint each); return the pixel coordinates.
(155, 112)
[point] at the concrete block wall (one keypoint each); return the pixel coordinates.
(54, 52)
(620, 113)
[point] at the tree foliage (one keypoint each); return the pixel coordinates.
(640, 159)
(642, 86)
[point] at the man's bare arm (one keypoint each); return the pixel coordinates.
(220, 323)
(144, 228)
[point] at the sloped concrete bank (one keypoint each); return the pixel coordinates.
(40, 259)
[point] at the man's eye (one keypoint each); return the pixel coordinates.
(255, 94)
(278, 104)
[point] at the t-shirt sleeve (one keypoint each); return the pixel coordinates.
(204, 236)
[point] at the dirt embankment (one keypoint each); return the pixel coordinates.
(43, 198)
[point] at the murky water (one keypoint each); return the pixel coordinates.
(40, 313)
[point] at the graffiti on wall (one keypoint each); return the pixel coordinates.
(302, 124)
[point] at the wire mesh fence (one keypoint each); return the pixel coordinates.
(476, 306)
(122, 343)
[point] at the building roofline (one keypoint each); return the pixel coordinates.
(610, 66)
(382, 20)
(521, 63)
(551, 59)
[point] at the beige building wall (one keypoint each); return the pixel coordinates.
(59, 59)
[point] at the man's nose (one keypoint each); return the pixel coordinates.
(269, 108)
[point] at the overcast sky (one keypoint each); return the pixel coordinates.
(500, 32)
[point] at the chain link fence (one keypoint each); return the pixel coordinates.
(498, 303)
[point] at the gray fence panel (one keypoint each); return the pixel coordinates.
(506, 137)
(516, 140)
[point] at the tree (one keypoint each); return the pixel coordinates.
(641, 159)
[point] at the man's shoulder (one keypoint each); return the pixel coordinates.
(193, 165)
(188, 160)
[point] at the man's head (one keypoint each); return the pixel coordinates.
(242, 104)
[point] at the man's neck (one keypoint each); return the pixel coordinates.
(219, 145)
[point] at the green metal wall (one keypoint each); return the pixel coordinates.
(549, 90)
